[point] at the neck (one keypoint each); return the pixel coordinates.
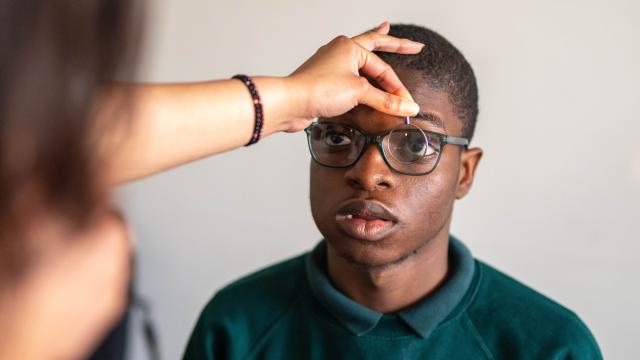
(391, 288)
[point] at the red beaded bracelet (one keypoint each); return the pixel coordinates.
(257, 105)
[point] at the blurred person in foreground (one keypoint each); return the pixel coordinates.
(68, 133)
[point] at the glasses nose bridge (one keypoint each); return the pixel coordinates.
(374, 140)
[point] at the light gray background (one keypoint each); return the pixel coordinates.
(556, 199)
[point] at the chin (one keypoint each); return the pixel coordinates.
(378, 254)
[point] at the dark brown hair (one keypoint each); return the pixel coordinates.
(56, 58)
(443, 68)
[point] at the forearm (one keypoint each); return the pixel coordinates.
(173, 124)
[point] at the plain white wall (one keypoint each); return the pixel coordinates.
(556, 202)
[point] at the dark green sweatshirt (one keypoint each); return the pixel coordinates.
(291, 311)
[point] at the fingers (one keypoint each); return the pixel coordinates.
(379, 42)
(387, 103)
(372, 66)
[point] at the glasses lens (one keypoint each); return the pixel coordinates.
(408, 144)
(412, 151)
(335, 145)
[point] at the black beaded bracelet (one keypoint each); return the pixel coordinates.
(257, 105)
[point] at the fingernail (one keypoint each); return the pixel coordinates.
(411, 107)
(382, 24)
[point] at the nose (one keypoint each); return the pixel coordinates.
(370, 172)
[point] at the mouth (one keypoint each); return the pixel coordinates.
(365, 220)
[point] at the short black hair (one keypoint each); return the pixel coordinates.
(443, 67)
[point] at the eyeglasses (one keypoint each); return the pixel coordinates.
(406, 149)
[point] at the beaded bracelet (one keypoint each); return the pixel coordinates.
(257, 105)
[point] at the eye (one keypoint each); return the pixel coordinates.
(335, 138)
(430, 150)
(412, 146)
(417, 144)
(417, 147)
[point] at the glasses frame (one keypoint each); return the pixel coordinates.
(378, 139)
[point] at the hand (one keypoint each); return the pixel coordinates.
(330, 83)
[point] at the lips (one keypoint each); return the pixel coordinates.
(365, 220)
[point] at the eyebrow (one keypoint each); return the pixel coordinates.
(431, 118)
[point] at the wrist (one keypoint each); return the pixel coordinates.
(274, 94)
(300, 97)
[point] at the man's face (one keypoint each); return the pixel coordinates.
(374, 216)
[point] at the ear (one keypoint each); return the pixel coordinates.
(469, 160)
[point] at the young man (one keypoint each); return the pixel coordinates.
(388, 281)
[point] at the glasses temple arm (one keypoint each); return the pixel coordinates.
(454, 140)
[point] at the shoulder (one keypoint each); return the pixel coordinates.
(514, 320)
(267, 291)
(242, 312)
